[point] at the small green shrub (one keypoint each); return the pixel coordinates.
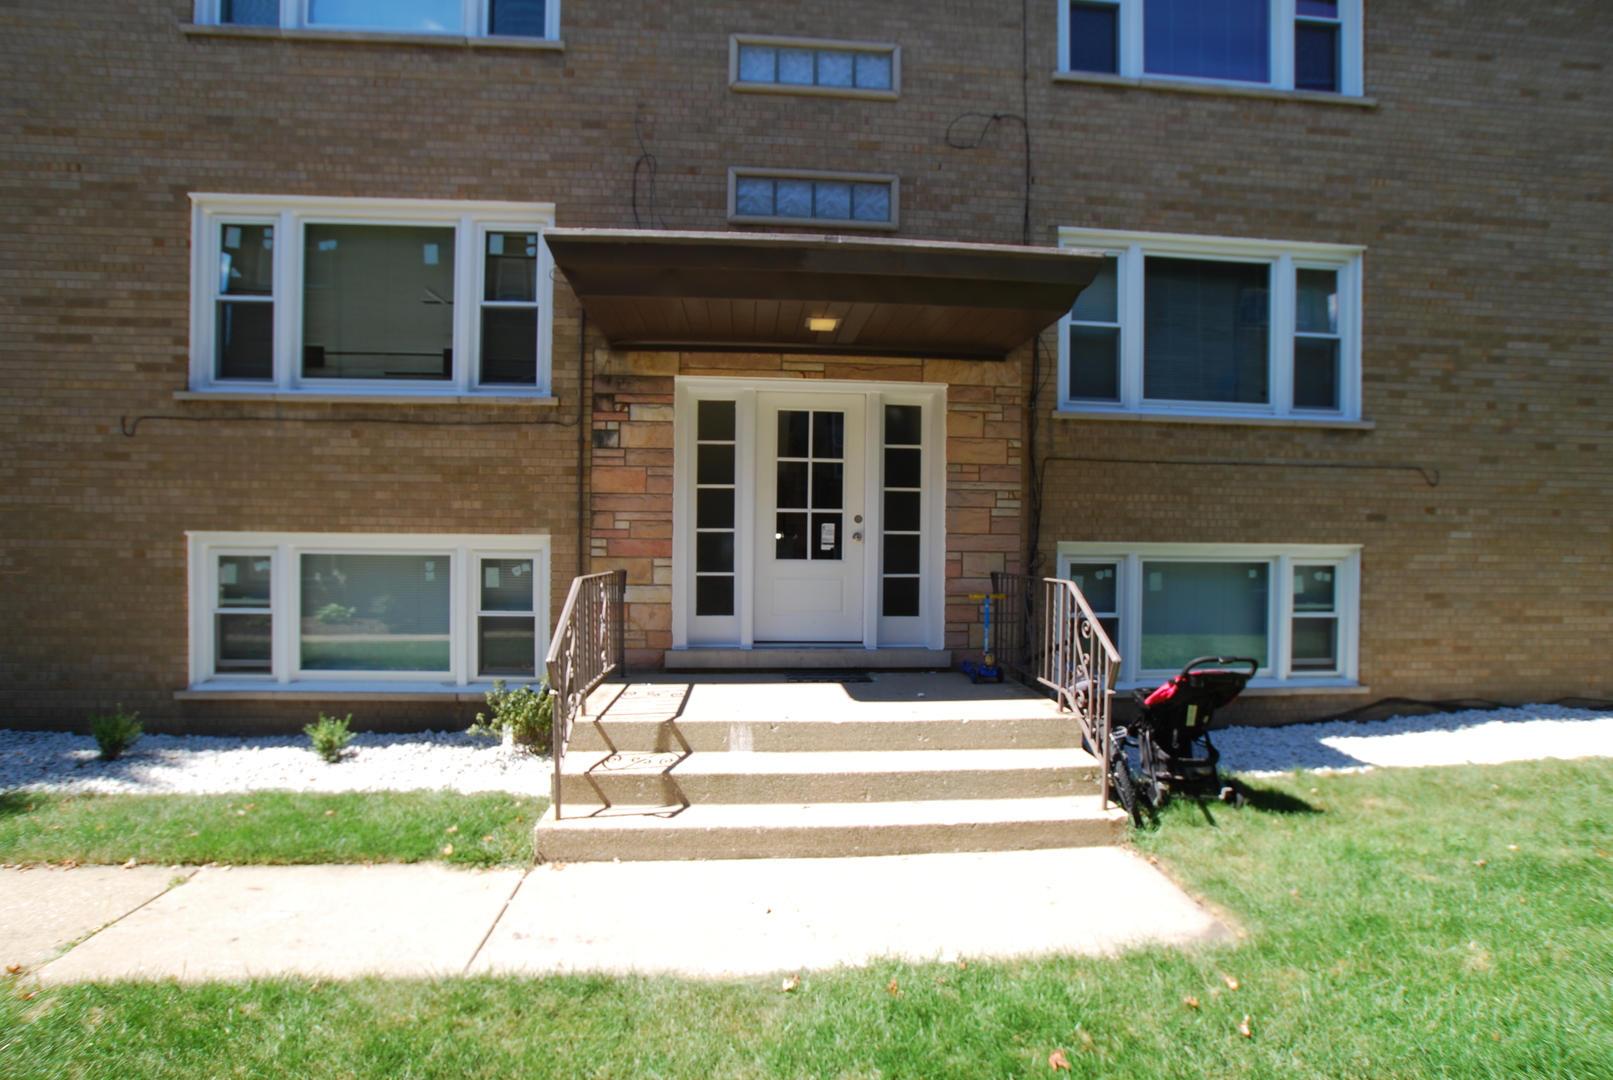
(334, 613)
(329, 736)
(526, 714)
(115, 732)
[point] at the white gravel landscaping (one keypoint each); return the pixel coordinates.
(1476, 737)
(204, 764)
(196, 764)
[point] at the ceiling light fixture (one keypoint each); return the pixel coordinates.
(823, 325)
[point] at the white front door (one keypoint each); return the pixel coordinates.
(810, 531)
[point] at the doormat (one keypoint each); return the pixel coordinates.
(828, 676)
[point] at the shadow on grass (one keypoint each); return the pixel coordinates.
(1270, 801)
(14, 803)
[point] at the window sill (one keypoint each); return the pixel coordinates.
(288, 398)
(1314, 97)
(1214, 418)
(800, 90)
(372, 37)
(244, 690)
(1269, 687)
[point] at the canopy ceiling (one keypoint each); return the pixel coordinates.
(663, 290)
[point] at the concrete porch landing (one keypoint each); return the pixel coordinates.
(822, 765)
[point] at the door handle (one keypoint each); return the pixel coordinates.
(856, 536)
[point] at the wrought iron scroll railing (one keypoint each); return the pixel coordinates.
(588, 648)
(1046, 632)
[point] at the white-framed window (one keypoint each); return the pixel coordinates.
(351, 609)
(1294, 608)
(1214, 326)
(814, 66)
(460, 18)
(842, 200)
(392, 296)
(1283, 44)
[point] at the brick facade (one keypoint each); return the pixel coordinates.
(1476, 177)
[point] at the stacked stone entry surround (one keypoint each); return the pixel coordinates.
(632, 464)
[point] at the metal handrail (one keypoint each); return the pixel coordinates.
(588, 647)
(1060, 643)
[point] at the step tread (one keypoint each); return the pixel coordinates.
(821, 762)
(759, 816)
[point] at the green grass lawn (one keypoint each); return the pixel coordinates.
(268, 827)
(1392, 930)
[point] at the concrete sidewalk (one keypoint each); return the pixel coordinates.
(720, 918)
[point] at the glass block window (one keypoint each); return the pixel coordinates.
(510, 308)
(1206, 330)
(715, 448)
(244, 311)
(855, 200)
(796, 65)
(1315, 634)
(901, 548)
(1193, 609)
(1316, 340)
(243, 621)
(1095, 338)
(506, 631)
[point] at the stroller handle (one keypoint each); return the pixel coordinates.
(1221, 662)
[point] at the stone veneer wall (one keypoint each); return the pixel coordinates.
(631, 471)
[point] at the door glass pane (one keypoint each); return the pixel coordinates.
(793, 428)
(901, 554)
(506, 584)
(1205, 330)
(1210, 39)
(824, 541)
(374, 612)
(421, 16)
(716, 421)
(714, 508)
(714, 552)
(1204, 609)
(1095, 37)
(792, 484)
(902, 468)
(828, 485)
(828, 435)
(507, 646)
(790, 537)
(904, 425)
(378, 302)
(714, 464)
(901, 597)
(902, 511)
(517, 18)
(714, 595)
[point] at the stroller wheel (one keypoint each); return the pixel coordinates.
(1124, 788)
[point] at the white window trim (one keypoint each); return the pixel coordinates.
(1277, 675)
(284, 549)
(294, 15)
(288, 214)
(741, 86)
(927, 630)
(1281, 61)
(1131, 248)
(829, 224)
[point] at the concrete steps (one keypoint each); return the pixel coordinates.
(748, 831)
(753, 767)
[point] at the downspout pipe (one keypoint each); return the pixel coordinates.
(584, 391)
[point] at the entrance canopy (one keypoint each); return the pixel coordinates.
(805, 293)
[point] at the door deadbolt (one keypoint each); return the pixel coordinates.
(858, 519)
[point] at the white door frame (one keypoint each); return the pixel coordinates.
(928, 629)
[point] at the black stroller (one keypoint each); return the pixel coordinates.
(1172, 725)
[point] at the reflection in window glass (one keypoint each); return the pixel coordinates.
(378, 302)
(1209, 39)
(374, 612)
(420, 16)
(1204, 609)
(1098, 583)
(1316, 622)
(506, 644)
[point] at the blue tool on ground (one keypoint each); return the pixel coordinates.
(987, 667)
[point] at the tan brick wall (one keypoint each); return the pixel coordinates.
(1479, 185)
